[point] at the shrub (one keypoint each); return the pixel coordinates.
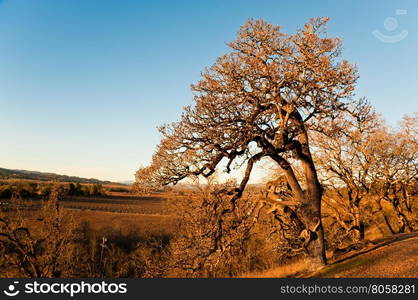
(109, 253)
(216, 240)
(6, 191)
(36, 248)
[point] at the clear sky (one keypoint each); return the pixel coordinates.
(85, 83)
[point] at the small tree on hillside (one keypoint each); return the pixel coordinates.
(260, 100)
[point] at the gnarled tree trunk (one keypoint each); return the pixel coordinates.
(309, 208)
(311, 215)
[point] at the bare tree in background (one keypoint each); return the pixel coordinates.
(396, 174)
(261, 100)
(344, 155)
(369, 170)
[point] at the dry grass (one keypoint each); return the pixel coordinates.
(124, 222)
(395, 256)
(291, 269)
(123, 204)
(141, 235)
(104, 244)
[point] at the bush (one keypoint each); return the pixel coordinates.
(6, 191)
(36, 248)
(214, 240)
(109, 253)
(22, 188)
(119, 189)
(95, 190)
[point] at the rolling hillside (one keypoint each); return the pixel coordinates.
(42, 176)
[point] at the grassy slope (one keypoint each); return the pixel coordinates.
(395, 256)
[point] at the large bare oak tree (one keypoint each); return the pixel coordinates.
(260, 100)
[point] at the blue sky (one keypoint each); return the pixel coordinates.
(85, 83)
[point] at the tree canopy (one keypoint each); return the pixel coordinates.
(256, 101)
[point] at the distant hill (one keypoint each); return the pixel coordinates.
(43, 176)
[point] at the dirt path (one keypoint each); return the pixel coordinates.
(394, 257)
